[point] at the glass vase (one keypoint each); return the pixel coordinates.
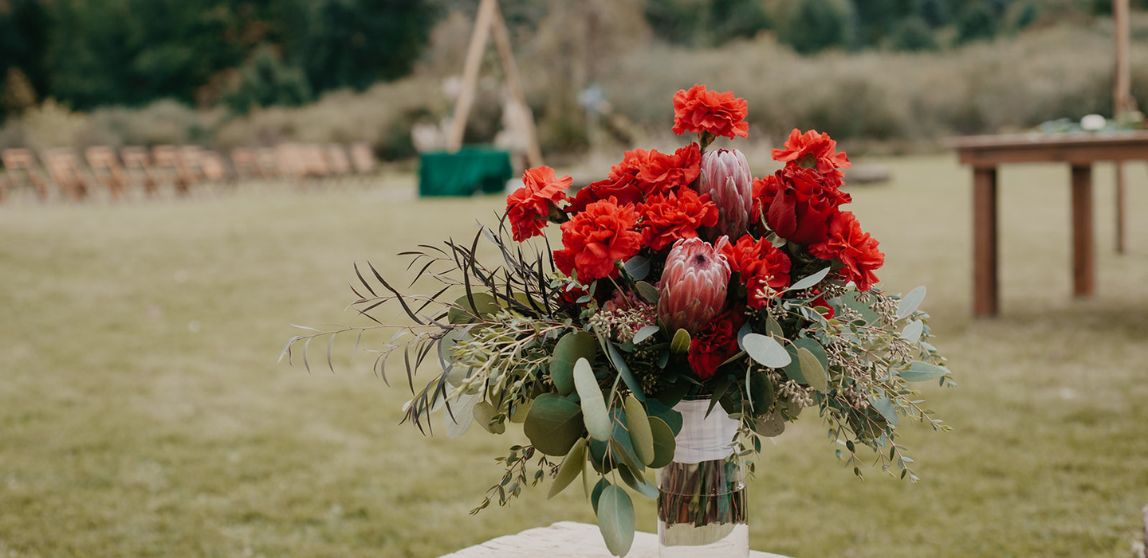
(701, 494)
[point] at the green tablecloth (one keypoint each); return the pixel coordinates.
(464, 172)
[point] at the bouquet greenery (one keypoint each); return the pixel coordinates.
(679, 278)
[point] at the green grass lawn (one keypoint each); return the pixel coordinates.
(142, 412)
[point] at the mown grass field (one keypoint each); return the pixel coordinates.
(142, 412)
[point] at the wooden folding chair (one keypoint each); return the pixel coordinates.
(214, 167)
(267, 159)
(363, 158)
(65, 171)
(23, 172)
(245, 163)
(138, 169)
(337, 160)
(106, 169)
(315, 163)
(170, 168)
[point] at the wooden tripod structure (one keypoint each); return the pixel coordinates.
(488, 20)
(1122, 102)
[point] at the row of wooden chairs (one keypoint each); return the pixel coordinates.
(180, 167)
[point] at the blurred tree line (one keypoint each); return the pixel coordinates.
(249, 53)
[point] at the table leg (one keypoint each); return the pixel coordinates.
(986, 286)
(1083, 256)
(1120, 234)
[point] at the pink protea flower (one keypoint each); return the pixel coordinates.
(726, 178)
(693, 286)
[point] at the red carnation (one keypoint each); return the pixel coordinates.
(716, 343)
(667, 218)
(855, 249)
(596, 239)
(798, 203)
(621, 184)
(812, 150)
(701, 110)
(663, 172)
(763, 267)
(529, 206)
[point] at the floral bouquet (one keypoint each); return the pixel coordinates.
(691, 311)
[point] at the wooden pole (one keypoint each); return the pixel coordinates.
(986, 260)
(486, 12)
(1122, 102)
(1083, 256)
(502, 42)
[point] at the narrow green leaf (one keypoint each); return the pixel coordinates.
(645, 333)
(922, 371)
(811, 368)
(639, 425)
(638, 483)
(765, 350)
(809, 280)
(616, 520)
(594, 412)
(624, 370)
(571, 467)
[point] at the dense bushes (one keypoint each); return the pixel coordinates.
(898, 98)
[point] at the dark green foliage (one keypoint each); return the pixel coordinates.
(23, 36)
(813, 25)
(935, 12)
(977, 23)
(913, 34)
(706, 22)
(266, 81)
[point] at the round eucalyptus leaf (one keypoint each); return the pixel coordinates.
(570, 348)
(594, 412)
(639, 425)
(765, 350)
(663, 443)
(553, 424)
(616, 520)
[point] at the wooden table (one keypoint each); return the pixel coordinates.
(565, 539)
(1079, 150)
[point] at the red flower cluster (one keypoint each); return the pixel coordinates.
(667, 218)
(595, 239)
(528, 208)
(812, 150)
(716, 343)
(700, 110)
(642, 173)
(762, 267)
(802, 201)
(855, 249)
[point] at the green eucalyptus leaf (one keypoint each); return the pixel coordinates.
(910, 302)
(588, 477)
(571, 467)
(681, 342)
(639, 425)
(884, 406)
(760, 391)
(923, 371)
(463, 312)
(638, 267)
(485, 415)
(770, 425)
(624, 370)
(811, 368)
(638, 483)
(648, 292)
(570, 348)
(645, 333)
(912, 332)
(765, 350)
(658, 408)
(616, 520)
(809, 281)
(772, 327)
(553, 424)
(663, 443)
(594, 412)
(622, 448)
(596, 493)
